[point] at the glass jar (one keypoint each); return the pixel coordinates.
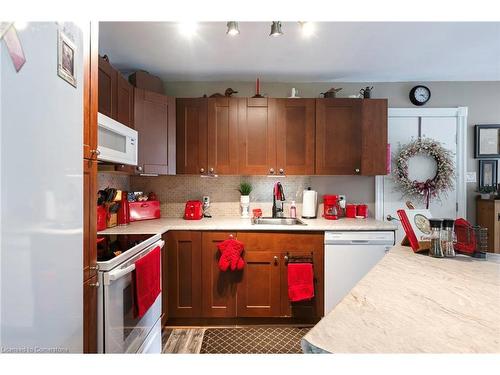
(447, 238)
(435, 237)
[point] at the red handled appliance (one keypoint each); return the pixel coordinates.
(330, 207)
(145, 210)
(193, 210)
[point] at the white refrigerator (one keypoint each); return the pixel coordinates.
(41, 205)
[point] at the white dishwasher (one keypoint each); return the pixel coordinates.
(349, 256)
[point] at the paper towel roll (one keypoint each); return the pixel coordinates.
(309, 204)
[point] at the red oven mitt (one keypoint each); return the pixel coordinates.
(231, 250)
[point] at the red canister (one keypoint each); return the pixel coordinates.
(362, 210)
(350, 211)
(101, 218)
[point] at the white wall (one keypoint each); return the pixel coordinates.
(41, 207)
(482, 99)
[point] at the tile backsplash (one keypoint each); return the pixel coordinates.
(117, 181)
(174, 191)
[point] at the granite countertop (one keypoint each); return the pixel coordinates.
(412, 303)
(236, 223)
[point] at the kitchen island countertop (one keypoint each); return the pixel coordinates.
(412, 303)
(231, 223)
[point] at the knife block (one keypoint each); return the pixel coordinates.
(111, 218)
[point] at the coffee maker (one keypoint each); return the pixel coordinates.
(331, 207)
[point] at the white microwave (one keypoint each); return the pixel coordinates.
(117, 143)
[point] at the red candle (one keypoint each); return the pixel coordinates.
(257, 88)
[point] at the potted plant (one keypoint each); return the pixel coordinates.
(487, 192)
(245, 189)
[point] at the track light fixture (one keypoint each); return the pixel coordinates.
(276, 29)
(232, 28)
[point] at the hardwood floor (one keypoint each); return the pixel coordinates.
(182, 341)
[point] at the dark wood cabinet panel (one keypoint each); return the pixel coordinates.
(90, 90)
(218, 288)
(257, 135)
(259, 292)
(184, 274)
(222, 135)
(374, 139)
(124, 101)
(154, 119)
(338, 136)
(90, 315)
(191, 120)
(108, 77)
(295, 136)
(89, 218)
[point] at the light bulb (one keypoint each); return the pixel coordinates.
(188, 28)
(308, 28)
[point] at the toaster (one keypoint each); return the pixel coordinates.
(193, 210)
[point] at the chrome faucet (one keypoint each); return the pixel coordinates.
(278, 195)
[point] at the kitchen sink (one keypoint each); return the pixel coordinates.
(277, 221)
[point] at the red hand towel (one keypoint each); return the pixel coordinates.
(147, 281)
(300, 281)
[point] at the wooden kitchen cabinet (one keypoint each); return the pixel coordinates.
(295, 132)
(154, 119)
(89, 219)
(351, 136)
(488, 216)
(108, 77)
(124, 101)
(218, 288)
(222, 136)
(184, 289)
(191, 143)
(90, 288)
(90, 92)
(257, 136)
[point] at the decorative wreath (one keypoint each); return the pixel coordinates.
(441, 183)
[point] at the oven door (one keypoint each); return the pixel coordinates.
(122, 331)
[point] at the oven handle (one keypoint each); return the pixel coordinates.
(115, 275)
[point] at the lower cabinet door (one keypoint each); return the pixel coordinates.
(219, 287)
(90, 315)
(259, 292)
(184, 274)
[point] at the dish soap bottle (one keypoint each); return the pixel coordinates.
(293, 210)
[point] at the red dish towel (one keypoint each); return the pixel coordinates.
(147, 281)
(300, 281)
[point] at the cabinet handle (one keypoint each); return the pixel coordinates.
(94, 268)
(271, 170)
(202, 170)
(282, 171)
(356, 170)
(212, 171)
(94, 285)
(275, 260)
(139, 168)
(95, 152)
(286, 258)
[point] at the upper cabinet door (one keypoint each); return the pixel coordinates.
(222, 135)
(338, 136)
(107, 88)
(155, 121)
(257, 136)
(374, 142)
(124, 102)
(90, 90)
(295, 136)
(191, 135)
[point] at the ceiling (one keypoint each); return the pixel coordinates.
(338, 51)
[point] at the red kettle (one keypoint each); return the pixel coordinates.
(193, 210)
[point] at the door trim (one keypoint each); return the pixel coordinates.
(461, 114)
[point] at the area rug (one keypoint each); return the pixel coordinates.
(258, 340)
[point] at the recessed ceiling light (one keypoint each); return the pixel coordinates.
(188, 28)
(276, 29)
(308, 28)
(232, 28)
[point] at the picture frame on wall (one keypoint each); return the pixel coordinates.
(487, 141)
(66, 54)
(488, 170)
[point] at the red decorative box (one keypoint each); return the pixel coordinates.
(146, 210)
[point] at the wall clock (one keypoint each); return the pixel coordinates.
(419, 95)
